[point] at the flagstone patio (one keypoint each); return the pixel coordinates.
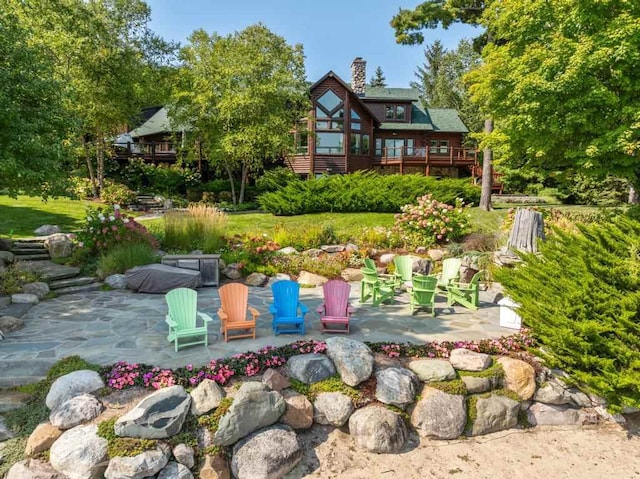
(109, 326)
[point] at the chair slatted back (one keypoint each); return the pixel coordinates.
(336, 297)
(450, 269)
(370, 276)
(424, 288)
(369, 264)
(233, 299)
(285, 298)
(404, 267)
(183, 305)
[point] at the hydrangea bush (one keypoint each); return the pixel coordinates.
(123, 375)
(106, 227)
(432, 222)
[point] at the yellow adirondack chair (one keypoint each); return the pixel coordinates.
(183, 317)
(233, 312)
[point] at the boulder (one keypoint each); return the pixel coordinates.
(46, 230)
(313, 252)
(4, 299)
(476, 385)
(73, 384)
(540, 414)
(24, 298)
(42, 438)
(467, 360)
(158, 416)
(435, 254)
(493, 414)
(6, 257)
(174, 470)
(332, 248)
(552, 393)
(145, 464)
(33, 469)
(266, 454)
(278, 277)
(76, 410)
(352, 359)
(184, 455)
(310, 368)
(275, 380)
(421, 265)
(332, 408)
(253, 407)
(432, 369)
(233, 271)
(377, 429)
(310, 279)
(352, 274)
(37, 288)
(206, 397)
(80, 453)
(351, 247)
(382, 361)
(9, 323)
(578, 398)
(5, 432)
(396, 386)
(116, 281)
(6, 244)
(256, 279)
(214, 467)
(439, 415)
(519, 377)
(287, 250)
(387, 258)
(59, 246)
(299, 410)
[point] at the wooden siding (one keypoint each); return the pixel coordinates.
(377, 107)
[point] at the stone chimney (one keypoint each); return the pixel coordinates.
(358, 76)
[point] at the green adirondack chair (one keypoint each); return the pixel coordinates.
(370, 264)
(465, 294)
(450, 272)
(376, 288)
(423, 294)
(404, 270)
(183, 317)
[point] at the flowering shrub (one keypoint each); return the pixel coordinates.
(123, 375)
(431, 222)
(113, 193)
(107, 227)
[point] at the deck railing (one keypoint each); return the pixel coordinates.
(437, 155)
(154, 150)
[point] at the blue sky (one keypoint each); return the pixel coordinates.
(333, 32)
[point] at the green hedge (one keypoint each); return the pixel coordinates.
(582, 299)
(360, 192)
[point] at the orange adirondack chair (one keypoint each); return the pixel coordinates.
(335, 311)
(233, 311)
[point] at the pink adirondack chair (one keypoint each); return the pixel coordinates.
(335, 311)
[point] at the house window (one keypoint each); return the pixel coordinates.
(395, 112)
(330, 143)
(378, 151)
(355, 143)
(329, 100)
(365, 144)
(302, 142)
(440, 147)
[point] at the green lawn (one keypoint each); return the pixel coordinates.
(19, 217)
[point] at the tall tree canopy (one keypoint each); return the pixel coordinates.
(33, 123)
(562, 80)
(240, 96)
(378, 79)
(440, 80)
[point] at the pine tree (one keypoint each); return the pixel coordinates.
(378, 79)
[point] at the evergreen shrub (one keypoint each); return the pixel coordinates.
(363, 191)
(581, 296)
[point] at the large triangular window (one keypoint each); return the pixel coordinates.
(329, 112)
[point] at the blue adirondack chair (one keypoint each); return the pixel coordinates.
(288, 312)
(183, 317)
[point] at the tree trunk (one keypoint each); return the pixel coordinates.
(528, 226)
(487, 171)
(243, 182)
(100, 157)
(233, 188)
(92, 176)
(633, 196)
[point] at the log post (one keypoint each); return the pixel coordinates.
(528, 226)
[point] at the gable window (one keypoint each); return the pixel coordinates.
(395, 112)
(440, 147)
(355, 120)
(329, 124)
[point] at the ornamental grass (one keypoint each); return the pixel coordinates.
(200, 227)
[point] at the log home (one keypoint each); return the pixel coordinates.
(358, 127)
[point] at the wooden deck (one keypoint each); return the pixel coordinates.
(153, 152)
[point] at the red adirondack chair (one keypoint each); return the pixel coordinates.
(335, 311)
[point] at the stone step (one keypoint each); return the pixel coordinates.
(33, 257)
(48, 270)
(69, 282)
(79, 289)
(28, 244)
(23, 251)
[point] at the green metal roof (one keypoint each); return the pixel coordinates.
(446, 119)
(158, 123)
(408, 94)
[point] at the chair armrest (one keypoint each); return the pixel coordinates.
(272, 308)
(303, 308)
(320, 309)
(170, 322)
(205, 317)
(254, 312)
(222, 315)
